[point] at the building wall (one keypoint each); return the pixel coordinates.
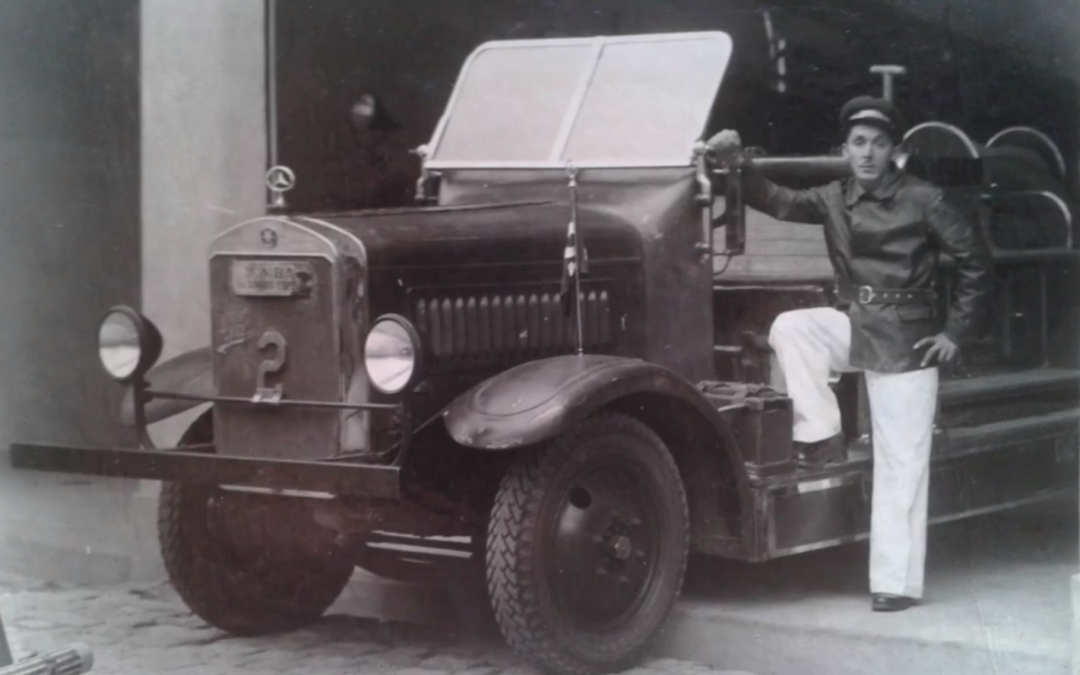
(69, 190)
(204, 153)
(111, 192)
(69, 249)
(204, 149)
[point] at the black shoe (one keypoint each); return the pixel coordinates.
(832, 450)
(886, 602)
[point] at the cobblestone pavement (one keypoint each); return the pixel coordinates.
(145, 629)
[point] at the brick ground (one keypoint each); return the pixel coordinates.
(143, 628)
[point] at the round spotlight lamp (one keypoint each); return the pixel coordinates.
(392, 354)
(128, 344)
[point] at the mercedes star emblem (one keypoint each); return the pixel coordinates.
(280, 179)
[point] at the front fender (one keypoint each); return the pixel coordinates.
(536, 401)
(189, 373)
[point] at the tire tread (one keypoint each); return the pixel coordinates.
(511, 541)
(223, 594)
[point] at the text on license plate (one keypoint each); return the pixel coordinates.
(278, 278)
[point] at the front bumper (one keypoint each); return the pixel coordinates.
(198, 464)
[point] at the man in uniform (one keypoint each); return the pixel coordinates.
(884, 230)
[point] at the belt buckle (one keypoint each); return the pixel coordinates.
(866, 295)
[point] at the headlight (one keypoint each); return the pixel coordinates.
(392, 354)
(128, 344)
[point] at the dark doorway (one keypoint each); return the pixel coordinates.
(794, 65)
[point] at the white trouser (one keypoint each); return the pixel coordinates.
(809, 345)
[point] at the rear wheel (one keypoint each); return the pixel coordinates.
(587, 547)
(244, 563)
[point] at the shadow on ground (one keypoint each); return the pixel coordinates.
(1031, 537)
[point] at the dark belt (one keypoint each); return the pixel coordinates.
(871, 295)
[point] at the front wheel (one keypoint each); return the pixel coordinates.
(587, 547)
(247, 564)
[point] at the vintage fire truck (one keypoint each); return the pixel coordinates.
(552, 372)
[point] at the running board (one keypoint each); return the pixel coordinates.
(1062, 428)
(974, 471)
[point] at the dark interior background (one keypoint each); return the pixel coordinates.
(973, 63)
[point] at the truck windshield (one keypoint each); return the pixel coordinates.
(634, 100)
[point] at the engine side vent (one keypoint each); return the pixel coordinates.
(475, 329)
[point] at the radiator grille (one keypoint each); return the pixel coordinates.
(468, 329)
(311, 369)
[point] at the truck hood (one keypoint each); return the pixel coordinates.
(507, 233)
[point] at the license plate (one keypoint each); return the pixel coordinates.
(275, 278)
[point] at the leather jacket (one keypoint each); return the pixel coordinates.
(889, 238)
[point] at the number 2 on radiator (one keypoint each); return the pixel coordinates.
(268, 366)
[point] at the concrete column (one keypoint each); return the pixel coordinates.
(204, 154)
(203, 151)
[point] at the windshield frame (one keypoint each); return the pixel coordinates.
(573, 110)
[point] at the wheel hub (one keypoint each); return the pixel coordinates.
(621, 547)
(605, 548)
